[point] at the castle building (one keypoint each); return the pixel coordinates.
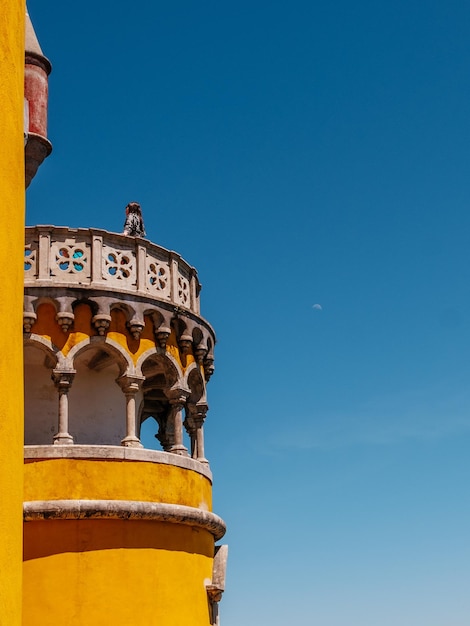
(114, 533)
(114, 337)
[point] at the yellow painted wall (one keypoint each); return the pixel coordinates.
(115, 572)
(119, 572)
(11, 305)
(57, 479)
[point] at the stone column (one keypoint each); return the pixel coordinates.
(191, 430)
(195, 426)
(200, 441)
(63, 382)
(131, 386)
(174, 428)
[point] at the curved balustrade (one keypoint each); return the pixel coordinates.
(97, 259)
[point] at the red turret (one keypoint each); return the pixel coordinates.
(37, 70)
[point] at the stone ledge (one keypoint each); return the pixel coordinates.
(114, 453)
(41, 510)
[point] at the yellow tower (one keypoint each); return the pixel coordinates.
(11, 379)
(116, 533)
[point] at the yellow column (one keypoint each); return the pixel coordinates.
(11, 305)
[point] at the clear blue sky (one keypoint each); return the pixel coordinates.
(299, 153)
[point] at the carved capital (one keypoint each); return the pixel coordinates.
(197, 413)
(177, 397)
(195, 416)
(130, 385)
(63, 379)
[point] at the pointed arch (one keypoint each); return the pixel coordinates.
(105, 344)
(97, 404)
(170, 363)
(41, 357)
(194, 381)
(47, 346)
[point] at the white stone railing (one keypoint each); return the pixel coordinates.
(92, 258)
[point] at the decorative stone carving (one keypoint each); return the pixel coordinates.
(101, 322)
(65, 320)
(158, 276)
(70, 259)
(30, 258)
(183, 291)
(200, 352)
(135, 327)
(118, 266)
(209, 368)
(162, 335)
(28, 320)
(185, 342)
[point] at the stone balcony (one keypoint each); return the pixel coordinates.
(96, 259)
(110, 270)
(100, 309)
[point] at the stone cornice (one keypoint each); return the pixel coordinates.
(39, 510)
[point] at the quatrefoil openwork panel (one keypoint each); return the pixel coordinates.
(183, 291)
(158, 278)
(118, 266)
(70, 259)
(30, 256)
